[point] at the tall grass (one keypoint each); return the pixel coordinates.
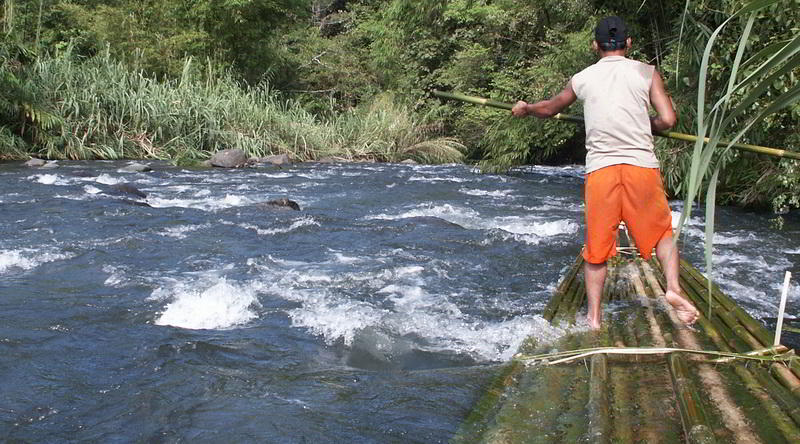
(112, 112)
(745, 101)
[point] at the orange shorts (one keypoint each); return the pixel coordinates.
(624, 193)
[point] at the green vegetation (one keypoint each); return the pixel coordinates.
(107, 111)
(353, 79)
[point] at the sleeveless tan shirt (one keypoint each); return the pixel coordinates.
(616, 101)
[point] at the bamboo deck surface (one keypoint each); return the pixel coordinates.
(669, 398)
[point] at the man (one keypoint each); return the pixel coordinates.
(623, 180)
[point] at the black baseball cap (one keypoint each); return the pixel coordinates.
(611, 33)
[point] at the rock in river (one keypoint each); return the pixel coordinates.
(231, 158)
(34, 162)
(277, 159)
(136, 167)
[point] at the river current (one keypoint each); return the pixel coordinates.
(379, 312)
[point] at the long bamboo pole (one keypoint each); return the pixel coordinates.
(577, 119)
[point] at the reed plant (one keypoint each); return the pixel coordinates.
(112, 112)
(746, 100)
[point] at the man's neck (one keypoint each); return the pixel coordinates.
(616, 52)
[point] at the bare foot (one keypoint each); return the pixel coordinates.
(594, 324)
(683, 308)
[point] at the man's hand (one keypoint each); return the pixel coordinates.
(520, 109)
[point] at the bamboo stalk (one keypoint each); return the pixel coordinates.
(577, 301)
(576, 404)
(630, 389)
(668, 134)
(782, 308)
(760, 352)
(794, 364)
(552, 306)
(641, 331)
(527, 412)
(693, 416)
(476, 422)
(658, 332)
(719, 399)
(647, 332)
(726, 324)
(695, 422)
(765, 396)
(563, 311)
(609, 284)
(621, 392)
(532, 413)
(781, 396)
(722, 337)
(788, 377)
(599, 412)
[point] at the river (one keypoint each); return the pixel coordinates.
(377, 313)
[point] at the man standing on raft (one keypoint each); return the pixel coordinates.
(623, 180)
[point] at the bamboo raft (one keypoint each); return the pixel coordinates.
(674, 397)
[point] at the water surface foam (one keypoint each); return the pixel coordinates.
(218, 304)
(28, 258)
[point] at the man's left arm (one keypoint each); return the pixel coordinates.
(665, 117)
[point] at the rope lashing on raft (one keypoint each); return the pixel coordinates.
(773, 354)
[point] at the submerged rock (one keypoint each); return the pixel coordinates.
(50, 164)
(137, 203)
(136, 167)
(34, 162)
(280, 204)
(231, 158)
(127, 188)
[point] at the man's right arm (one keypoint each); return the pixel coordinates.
(665, 117)
(546, 108)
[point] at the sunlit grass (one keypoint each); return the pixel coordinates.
(111, 112)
